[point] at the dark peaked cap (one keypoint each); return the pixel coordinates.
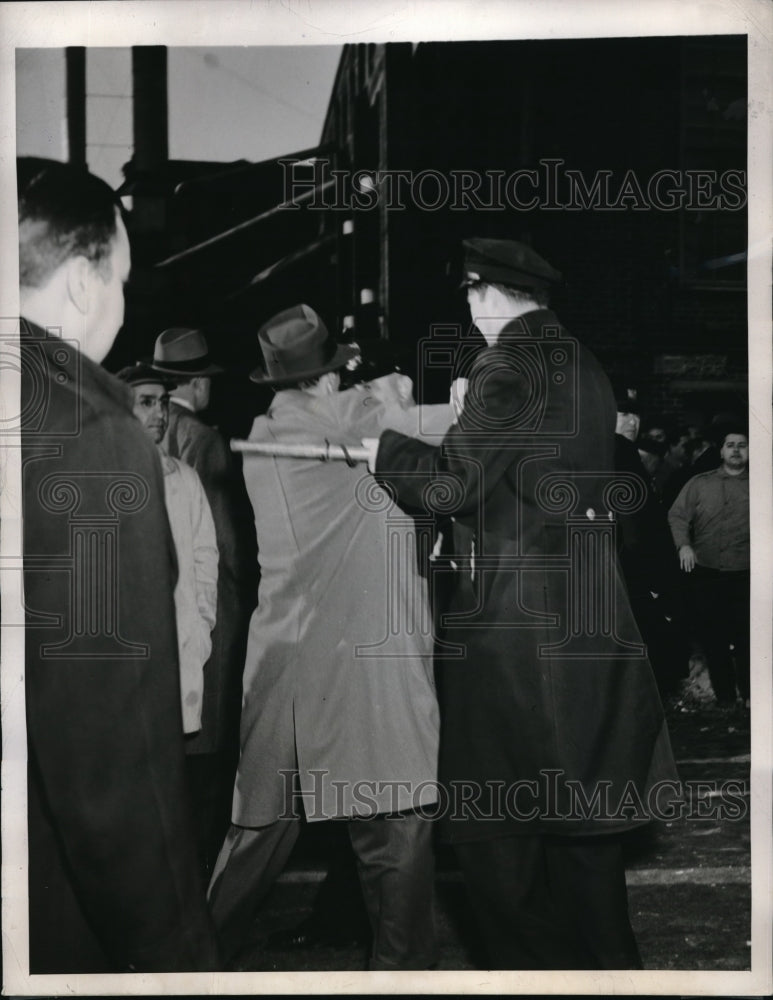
(506, 262)
(143, 374)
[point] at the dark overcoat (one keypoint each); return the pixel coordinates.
(113, 874)
(192, 441)
(551, 720)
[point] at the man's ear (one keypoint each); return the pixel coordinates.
(80, 273)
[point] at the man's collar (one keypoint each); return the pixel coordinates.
(181, 402)
(167, 462)
(728, 475)
(530, 323)
(119, 390)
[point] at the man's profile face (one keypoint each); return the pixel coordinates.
(151, 408)
(678, 450)
(735, 452)
(627, 425)
(106, 296)
(657, 434)
(488, 309)
(204, 392)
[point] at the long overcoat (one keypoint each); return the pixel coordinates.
(188, 438)
(338, 680)
(195, 595)
(113, 875)
(551, 720)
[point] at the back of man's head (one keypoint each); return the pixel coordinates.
(537, 297)
(64, 211)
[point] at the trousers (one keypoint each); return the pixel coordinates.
(720, 610)
(550, 902)
(395, 863)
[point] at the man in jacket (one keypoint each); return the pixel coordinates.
(113, 879)
(339, 716)
(193, 532)
(551, 718)
(709, 522)
(183, 354)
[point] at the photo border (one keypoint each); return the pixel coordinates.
(314, 22)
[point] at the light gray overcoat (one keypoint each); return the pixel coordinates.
(338, 676)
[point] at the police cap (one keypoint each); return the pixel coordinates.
(506, 262)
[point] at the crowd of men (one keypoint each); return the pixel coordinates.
(184, 719)
(685, 553)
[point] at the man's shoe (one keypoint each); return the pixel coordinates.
(310, 933)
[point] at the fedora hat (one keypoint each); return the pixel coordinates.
(296, 346)
(182, 351)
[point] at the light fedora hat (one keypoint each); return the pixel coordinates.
(296, 346)
(183, 351)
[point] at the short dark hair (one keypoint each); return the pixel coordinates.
(721, 431)
(538, 294)
(64, 211)
(651, 446)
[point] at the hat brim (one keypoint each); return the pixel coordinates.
(518, 281)
(191, 373)
(148, 377)
(344, 353)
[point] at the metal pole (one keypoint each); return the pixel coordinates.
(151, 132)
(75, 62)
(324, 452)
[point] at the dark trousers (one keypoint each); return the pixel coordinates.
(545, 902)
(719, 602)
(338, 909)
(666, 641)
(396, 867)
(210, 778)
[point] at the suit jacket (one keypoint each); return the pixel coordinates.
(547, 698)
(113, 874)
(338, 682)
(188, 438)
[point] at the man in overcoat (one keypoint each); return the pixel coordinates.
(553, 739)
(648, 564)
(193, 532)
(183, 354)
(113, 878)
(339, 715)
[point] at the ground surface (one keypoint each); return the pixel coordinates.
(688, 879)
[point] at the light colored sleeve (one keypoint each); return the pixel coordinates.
(205, 553)
(427, 423)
